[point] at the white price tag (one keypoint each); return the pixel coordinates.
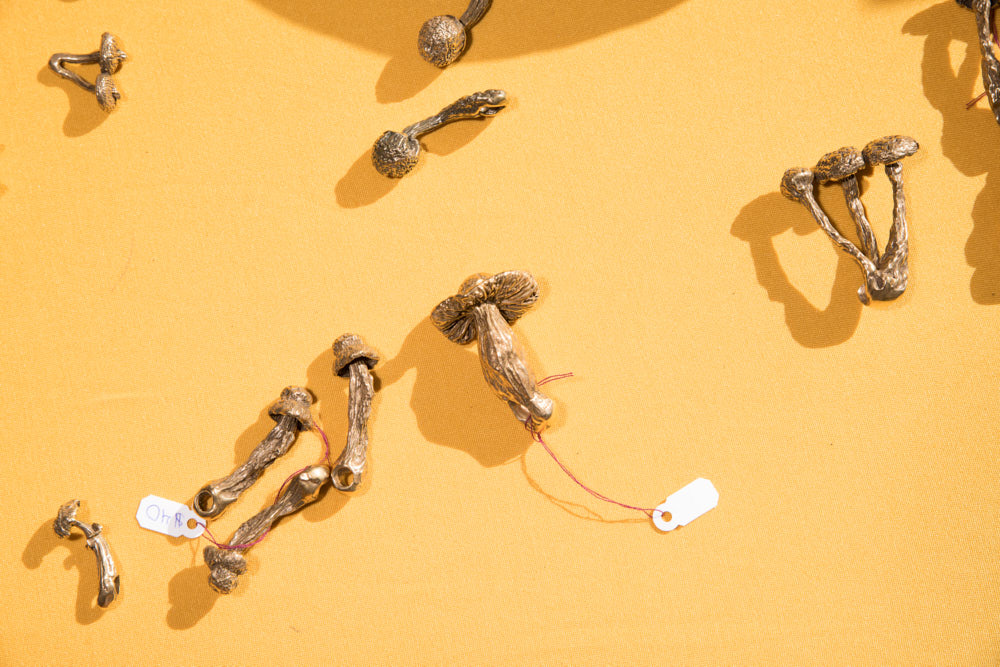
(686, 505)
(168, 517)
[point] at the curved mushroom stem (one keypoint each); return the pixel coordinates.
(506, 368)
(895, 258)
(216, 496)
(866, 237)
(809, 199)
(474, 13)
(227, 564)
(350, 465)
(476, 105)
(58, 61)
(109, 583)
(991, 66)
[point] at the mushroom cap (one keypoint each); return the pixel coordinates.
(442, 40)
(395, 154)
(350, 348)
(294, 401)
(67, 513)
(796, 182)
(512, 292)
(107, 92)
(226, 566)
(111, 54)
(839, 164)
(890, 149)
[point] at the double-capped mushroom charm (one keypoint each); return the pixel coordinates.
(354, 359)
(886, 273)
(292, 414)
(109, 57)
(484, 309)
(443, 38)
(395, 154)
(108, 581)
(990, 64)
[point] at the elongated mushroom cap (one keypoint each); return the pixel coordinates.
(348, 349)
(67, 513)
(839, 164)
(107, 92)
(512, 292)
(395, 154)
(796, 183)
(442, 40)
(111, 54)
(294, 401)
(890, 149)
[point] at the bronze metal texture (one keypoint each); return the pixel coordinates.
(354, 359)
(990, 65)
(443, 39)
(108, 581)
(109, 57)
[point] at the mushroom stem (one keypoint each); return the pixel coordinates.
(108, 581)
(897, 249)
(990, 65)
(866, 237)
(808, 197)
(476, 105)
(474, 13)
(58, 61)
(506, 369)
(350, 465)
(227, 564)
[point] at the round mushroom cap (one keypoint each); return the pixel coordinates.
(107, 92)
(348, 349)
(111, 54)
(395, 154)
(512, 292)
(226, 566)
(295, 402)
(839, 164)
(796, 183)
(442, 40)
(67, 513)
(889, 149)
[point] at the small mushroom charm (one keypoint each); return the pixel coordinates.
(990, 64)
(886, 273)
(484, 308)
(109, 584)
(395, 154)
(109, 57)
(227, 564)
(442, 39)
(354, 359)
(291, 412)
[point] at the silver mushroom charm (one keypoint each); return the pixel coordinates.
(226, 565)
(990, 65)
(395, 154)
(109, 57)
(354, 359)
(886, 273)
(292, 414)
(109, 584)
(484, 308)
(442, 39)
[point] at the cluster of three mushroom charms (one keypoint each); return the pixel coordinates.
(887, 272)
(353, 360)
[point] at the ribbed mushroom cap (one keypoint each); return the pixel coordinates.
(889, 149)
(395, 154)
(107, 92)
(839, 164)
(67, 512)
(225, 566)
(350, 348)
(442, 40)
(512, 292)
(111, 54)
(796, 182)
(294, 401)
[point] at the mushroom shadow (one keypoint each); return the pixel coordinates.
(510, 29)
(84, 112)
(44, 542)
(191, 598)
(453, 405)
(970, 138)
(757, 224)
(362, 185)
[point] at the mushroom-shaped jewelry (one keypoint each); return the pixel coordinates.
(108, 580)
(485, 307)
(442, 39)
(291, 412)
(110, 58)
(227, 564)
(354, 359)
(990, 65)
(886, 273)
(395, 154)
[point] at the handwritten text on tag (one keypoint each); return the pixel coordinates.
(168, 517)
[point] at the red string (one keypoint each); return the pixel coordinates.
(996, 40)
(536, 435)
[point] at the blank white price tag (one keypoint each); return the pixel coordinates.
(168, 517)
(686, 505)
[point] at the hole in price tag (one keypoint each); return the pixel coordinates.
(168, 517)
(686, 505)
